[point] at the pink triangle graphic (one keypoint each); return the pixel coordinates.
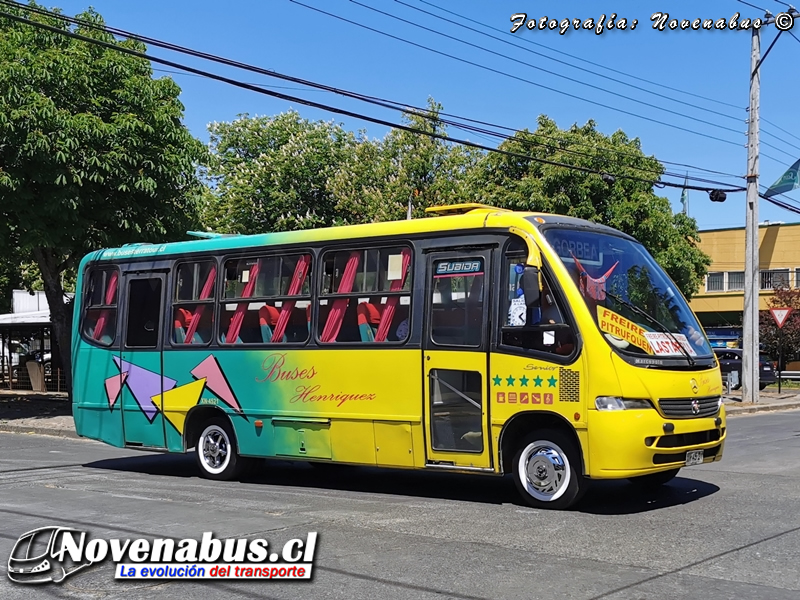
(113, 386)
(216, 381)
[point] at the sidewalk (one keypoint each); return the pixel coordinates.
(51, 413)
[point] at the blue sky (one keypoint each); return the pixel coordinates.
(286, 37)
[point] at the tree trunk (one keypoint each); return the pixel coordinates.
(48, 261)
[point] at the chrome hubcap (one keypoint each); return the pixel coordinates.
(546, 471)
(215, 448)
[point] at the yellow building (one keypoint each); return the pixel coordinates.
(720, 301)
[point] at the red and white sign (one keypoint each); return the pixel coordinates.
(668, 345)
(780, 315)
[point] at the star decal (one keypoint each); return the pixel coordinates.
(523, 381)
(497, 379)
(552, 381)
(537, 381)
(510, 380)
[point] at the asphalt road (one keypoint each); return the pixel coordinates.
(727, 530)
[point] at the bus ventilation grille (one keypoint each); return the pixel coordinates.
(570, 385)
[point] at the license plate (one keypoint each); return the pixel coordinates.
(694, 457)
(766, 368)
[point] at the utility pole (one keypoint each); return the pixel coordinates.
(752, 284)
(750, 342)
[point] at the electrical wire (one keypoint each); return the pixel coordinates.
(370, 99)
(563, 62)
(516, 78)
(543, 70)
(607, 68)
(337, 110)
(764, 10)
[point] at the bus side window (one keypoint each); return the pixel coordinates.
(266, 300)
(193, 304)
(365, 295)
(100, 316)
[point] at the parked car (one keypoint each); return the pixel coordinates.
(730, 360)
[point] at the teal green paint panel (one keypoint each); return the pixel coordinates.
(96, 395)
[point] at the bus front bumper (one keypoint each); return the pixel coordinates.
(629, 443)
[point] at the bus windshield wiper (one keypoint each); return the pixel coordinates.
(663, 328)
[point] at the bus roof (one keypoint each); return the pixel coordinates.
(457, 217)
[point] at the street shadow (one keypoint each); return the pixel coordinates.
(612, 497)
(33, 406)
(602, 497)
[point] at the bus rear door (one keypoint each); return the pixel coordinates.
(454, 358)
(141, 360)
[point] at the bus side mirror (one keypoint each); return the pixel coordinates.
(530, 286)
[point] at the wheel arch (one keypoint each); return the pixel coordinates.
(521, 424)
(197, 417)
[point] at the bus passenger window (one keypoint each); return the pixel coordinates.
(365, 295)
(193, 304)
(100, 318)
(266, 300)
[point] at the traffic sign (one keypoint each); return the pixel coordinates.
(780, 315)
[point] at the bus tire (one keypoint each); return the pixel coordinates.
(654, 480)
(215, 451)
(547, 470)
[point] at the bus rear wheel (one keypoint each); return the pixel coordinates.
(547, 470)
(215, 451)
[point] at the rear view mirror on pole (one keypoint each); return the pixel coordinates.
(530, 286)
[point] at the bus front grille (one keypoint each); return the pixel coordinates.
(689, 408)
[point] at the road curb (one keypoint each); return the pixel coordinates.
(65, 433)
(733, 410)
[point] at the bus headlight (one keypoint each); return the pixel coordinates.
(617, 403)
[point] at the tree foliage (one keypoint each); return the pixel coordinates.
(284, 172)
(629, 205)
(93, 152)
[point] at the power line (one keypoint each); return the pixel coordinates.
(549, 72)
(764, 10)
(369, 99)
(563, 62)
(516, 78)
(607, 68)
(335, 110)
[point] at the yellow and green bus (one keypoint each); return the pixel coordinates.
(476, 340)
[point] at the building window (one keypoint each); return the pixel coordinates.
(365, 295)
(735, 281)
(193, 308)
(774, 278)
(715, 282)
(267, 300)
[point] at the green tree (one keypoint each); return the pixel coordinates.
(403, 168)
(271, 173)
(93, 152)
(627, 204)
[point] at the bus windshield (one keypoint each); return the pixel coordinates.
(632, 300)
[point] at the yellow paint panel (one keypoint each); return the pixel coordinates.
(178, 401)
(393, 444)
(301, 440)
(353, 442)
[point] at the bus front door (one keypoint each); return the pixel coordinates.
(455, 343)
(140, 360)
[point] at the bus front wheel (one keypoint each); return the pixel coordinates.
(215, 451)
(547, 470)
